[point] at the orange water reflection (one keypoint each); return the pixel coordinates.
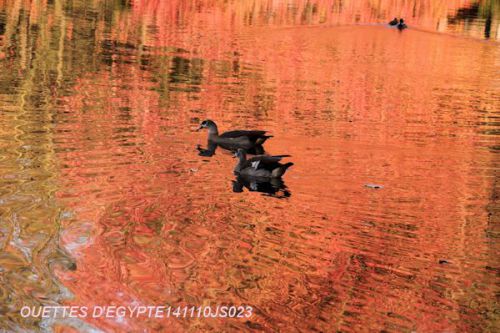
(352, 106)
(148, 221)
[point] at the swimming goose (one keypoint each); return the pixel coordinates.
(234, 139)
(261, 166)
(402, 25)
(394, 21)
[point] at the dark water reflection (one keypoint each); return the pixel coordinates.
(274, 187)
(105, 200)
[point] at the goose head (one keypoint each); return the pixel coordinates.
(209, 124)
(241, 154)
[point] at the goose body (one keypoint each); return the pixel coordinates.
(394, 21)
(261, 166)
(402, 25)
(233, 140)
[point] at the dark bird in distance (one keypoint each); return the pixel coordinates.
(402, 25)
(394, 21)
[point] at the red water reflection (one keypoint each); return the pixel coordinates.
(150, 222)
(352, 106)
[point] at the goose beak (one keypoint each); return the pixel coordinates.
(199, 128)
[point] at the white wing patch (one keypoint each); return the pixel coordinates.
(255, 164)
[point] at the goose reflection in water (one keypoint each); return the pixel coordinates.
(274, 187)
(261, 173)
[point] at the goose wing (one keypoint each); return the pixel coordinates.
(265, 162)
(240, 133)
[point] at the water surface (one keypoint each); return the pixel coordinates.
(105, 200)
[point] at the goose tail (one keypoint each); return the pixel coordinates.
(263, 139)
(278, 172)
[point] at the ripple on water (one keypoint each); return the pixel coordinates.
(105, 200)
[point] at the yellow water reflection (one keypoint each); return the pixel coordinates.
(105, 200)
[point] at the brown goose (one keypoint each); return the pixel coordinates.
(234, 139)
(261, 166)
(402, 25)
(394, 21)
